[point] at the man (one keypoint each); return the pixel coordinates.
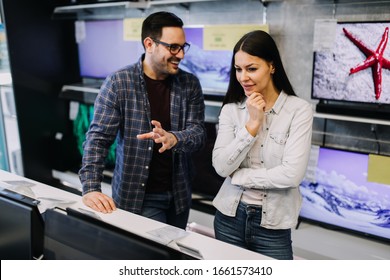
(155, 111)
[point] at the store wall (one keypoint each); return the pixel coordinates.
(43, 57)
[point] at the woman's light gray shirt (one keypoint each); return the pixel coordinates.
(285, 154)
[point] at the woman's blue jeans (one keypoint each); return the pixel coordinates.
(244, 230)
(161, 207)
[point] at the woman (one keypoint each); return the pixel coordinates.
(262, 148)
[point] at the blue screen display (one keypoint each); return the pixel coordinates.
(341, 195)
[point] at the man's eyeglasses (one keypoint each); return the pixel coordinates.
(174, 48)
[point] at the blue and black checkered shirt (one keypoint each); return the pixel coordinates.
(121, 112)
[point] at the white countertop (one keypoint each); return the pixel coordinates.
(50, 197)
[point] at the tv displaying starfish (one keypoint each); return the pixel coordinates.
(354, 69)
(374, 59)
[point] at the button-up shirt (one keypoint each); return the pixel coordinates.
(284, 154)
(121, 112)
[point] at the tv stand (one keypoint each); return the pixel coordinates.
(374, 111)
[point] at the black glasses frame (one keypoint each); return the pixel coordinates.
(174, 48)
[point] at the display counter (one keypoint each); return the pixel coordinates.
(194, 244)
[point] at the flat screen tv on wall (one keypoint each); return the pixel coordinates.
(212, 67)
(354, 75)
(102, 50)
(339, 196)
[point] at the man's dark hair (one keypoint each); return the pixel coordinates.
(154, 23)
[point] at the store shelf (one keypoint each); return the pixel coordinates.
(79, 92)
(86, 93)
(352, 133)
(80, 10)
(351, 119)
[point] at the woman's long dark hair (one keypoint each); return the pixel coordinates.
(257, 43)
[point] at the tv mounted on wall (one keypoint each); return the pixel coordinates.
(353, 77)
(102, 50)
(339, 196)
(212, 67)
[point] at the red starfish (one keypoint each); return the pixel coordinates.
(374, 59)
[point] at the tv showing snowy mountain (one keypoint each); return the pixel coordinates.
(212, 67)
(339, 195)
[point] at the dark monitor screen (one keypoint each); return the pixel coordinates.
(21, 227)
(79, 236)
(340, 196)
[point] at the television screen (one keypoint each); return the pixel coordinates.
(339, 195)
(357, 67)
(210, 66)
(21, 230)
(103, 50)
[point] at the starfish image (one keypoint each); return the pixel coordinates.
(374, 59)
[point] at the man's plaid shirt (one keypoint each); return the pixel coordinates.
(121, 112)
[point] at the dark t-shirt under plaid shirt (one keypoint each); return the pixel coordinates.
(160, 170)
